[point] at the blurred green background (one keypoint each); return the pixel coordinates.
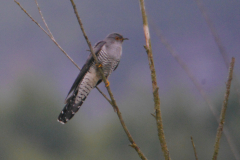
(36, 76)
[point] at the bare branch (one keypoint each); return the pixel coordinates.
(154, 82)
(104, 95)
(214, 32)
(222, 50)
(223, 112)
(197, 85)
(113, 103)
(194, 148)
(50, 35)
(39, 10)
(225, 57)
(31, 17)
(153, 115)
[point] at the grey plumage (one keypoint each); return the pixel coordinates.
(108, 53)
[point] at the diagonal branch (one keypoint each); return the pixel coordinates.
(50, 35)
(45, 23)
(222, 51)
(155, 88)
(113, 103)
(214, 32)
(224, 108)
(194, 149)
(225, 57)
(104, 96)
(197, 85)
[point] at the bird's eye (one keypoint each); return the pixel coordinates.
(117, 38)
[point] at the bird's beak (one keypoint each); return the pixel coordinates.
(124, 39)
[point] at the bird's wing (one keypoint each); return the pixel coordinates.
(116, 66)
(98, 46)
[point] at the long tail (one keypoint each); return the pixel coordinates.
(69, 110)
(74, 102)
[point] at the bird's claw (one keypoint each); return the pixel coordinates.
(107, 83)
(99, 65)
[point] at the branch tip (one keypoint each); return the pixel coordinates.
(194, 149)
(153, 115)
(223, 111)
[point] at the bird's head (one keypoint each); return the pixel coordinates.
(116, 37)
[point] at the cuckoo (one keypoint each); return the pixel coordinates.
(108, 53)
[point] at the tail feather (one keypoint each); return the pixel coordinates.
(68, 112)
(73, 103)
(76, 99)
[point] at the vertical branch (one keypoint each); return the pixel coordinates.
(194, 149)
(154, 82)
(224, 108)
(197, 85)
(113, 102)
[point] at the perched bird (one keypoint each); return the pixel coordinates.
(108, 53)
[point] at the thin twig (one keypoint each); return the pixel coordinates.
(104, 96)
(45, 23)
(224, 108)
(52, 37)
(197, 85)
(214, 32)
(221, 48)
(47, 34)
(133, 144)
(218, 41)
(183, 65)
(31, 17)
(194, 149)
(225, 57)
(153, 115)
(154, 82)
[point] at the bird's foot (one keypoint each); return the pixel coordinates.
(107, 83)
(99, 65)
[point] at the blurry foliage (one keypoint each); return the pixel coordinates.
(29, 129)
(32, 122)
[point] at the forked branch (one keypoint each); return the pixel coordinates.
(50, 35)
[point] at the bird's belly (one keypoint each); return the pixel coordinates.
(88, 83)
(93, 75)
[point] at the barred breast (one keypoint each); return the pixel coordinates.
(109, 60)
